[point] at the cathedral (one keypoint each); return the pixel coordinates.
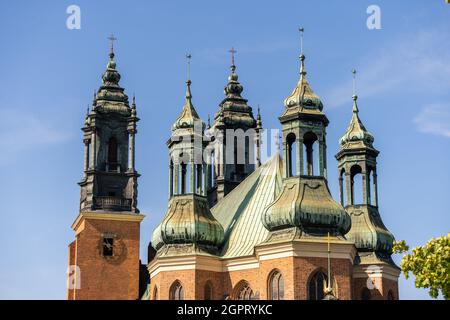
(235, 227)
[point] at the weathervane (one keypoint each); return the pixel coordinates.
(301, 30)
(189, 57)
(354, 82)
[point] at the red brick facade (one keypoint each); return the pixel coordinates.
(99, 277)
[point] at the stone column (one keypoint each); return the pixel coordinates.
(177, 179)
(375, 187)
(170, 178)
(93, 153)
(86, 156)
(341, 189)
(349, 188)
(131, 151)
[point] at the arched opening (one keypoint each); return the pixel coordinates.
(356, 184)
(365, 294)
(342, 188)
(176, 291)
(275, 286)
(243, 291)
(317, 285)
(390, 295)
(310, 153)
(183, 178)
(198, 178)
(373, 187)
(291, 161)
(239, 158)
(112, 154)
(208, 294)
(155, 293)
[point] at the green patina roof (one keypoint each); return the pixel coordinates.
(240, 212)
(189, 115)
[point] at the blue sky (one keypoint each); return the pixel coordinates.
(48, 74)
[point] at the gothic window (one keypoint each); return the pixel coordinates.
(365, 294)
(276, 286)
(291, 162)
(176, 291)
(317, 286)
(108, 246)
(373, 187)
(208, 291)
(243, 291)
(356, 185)
(310, 149)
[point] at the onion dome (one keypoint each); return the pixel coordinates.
(234, 112)
(356, 135)
(306, 203)
(189, 221)
(302, 96)
(111, 97)
(189, 115)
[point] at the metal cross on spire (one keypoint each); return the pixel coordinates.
(111, 38)
(188, 58)
(232, 51)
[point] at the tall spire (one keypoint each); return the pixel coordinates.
(302, 96)
(188, 115)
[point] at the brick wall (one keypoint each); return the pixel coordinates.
(103, 278)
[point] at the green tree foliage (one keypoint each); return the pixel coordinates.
(430, 265)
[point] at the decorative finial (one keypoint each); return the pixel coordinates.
(87, 111)
(188, 58)
(354, 97)
(209, 121)
(302, 56)
(233, 66)
(111, 38)
(134, 100)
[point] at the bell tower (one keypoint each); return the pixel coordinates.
(104, 258)
(375, 273)
(236, 137)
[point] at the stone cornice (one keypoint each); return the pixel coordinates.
(106, 215)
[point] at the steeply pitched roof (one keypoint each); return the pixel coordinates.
(241, 210)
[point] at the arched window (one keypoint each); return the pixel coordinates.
(112, 154)
(242, 291)
(373, 187)
(198, 178)
(176, 291)
(390, 295)
(208, 291)
(317, 286)
(276, 286)
(291, 160)
(155, 293)
(356, 184)
(310, 145)
(365, 294)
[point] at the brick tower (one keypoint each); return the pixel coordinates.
(104, 258)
